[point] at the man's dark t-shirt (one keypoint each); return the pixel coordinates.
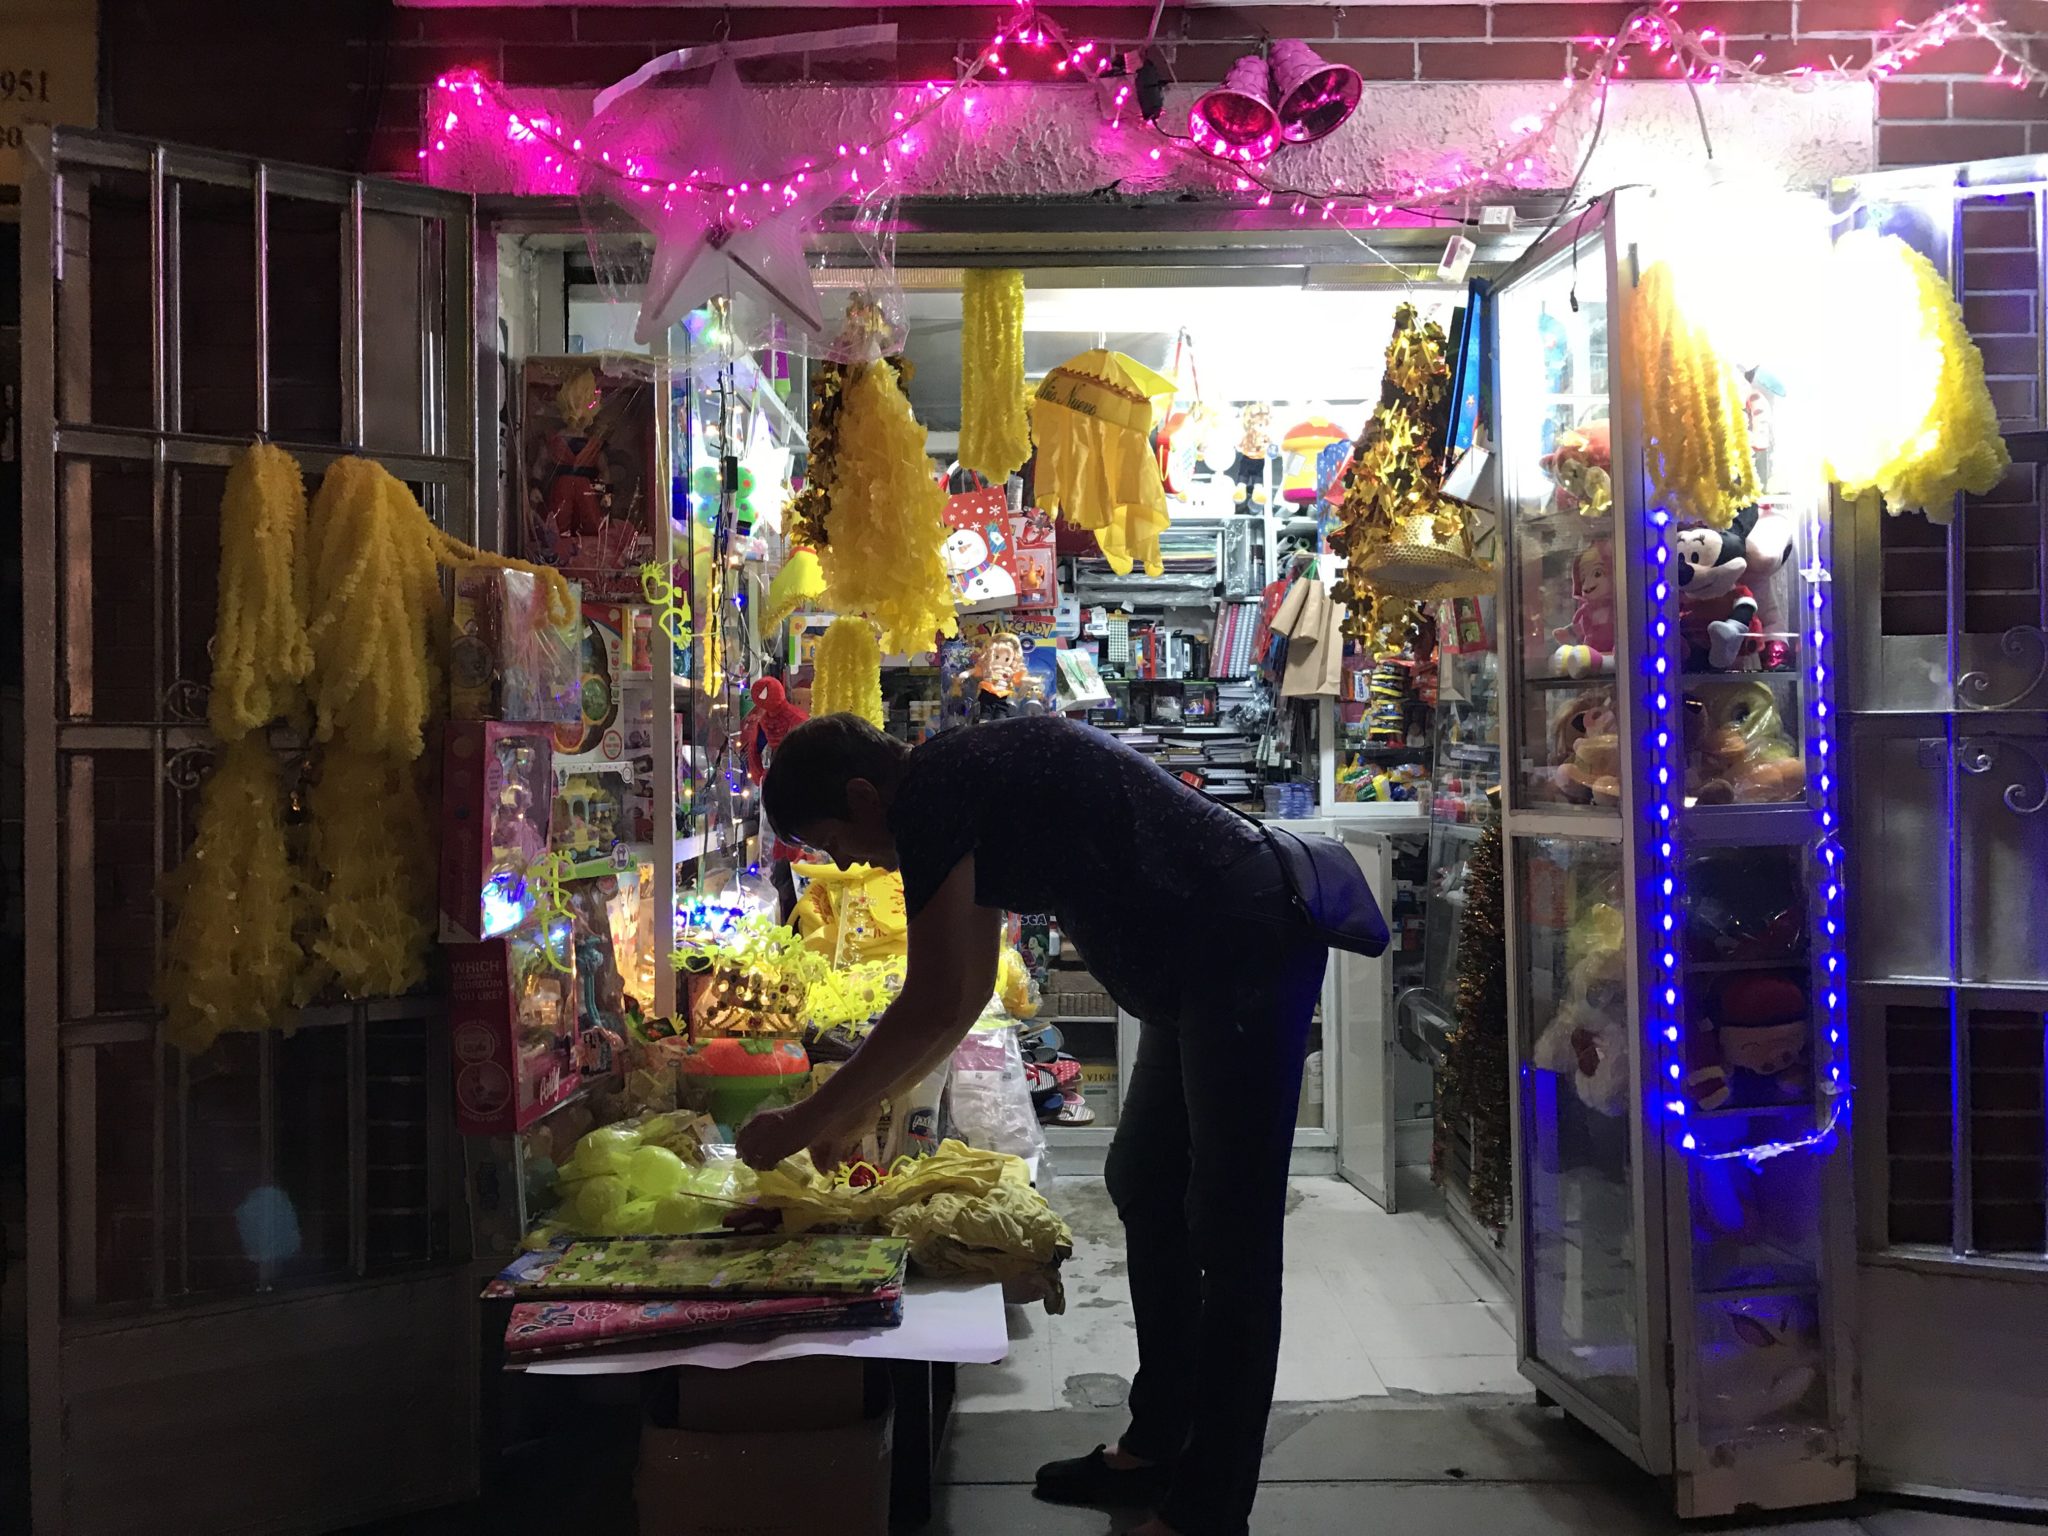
(1063, 819)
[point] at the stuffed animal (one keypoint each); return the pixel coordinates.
(1762, 1025)
(1737, 749)
(1582, 469)
(1767, 546)
(1587, 1038)
(1586, 749)
(1588, 644)
(1759, 1358)
(1717, 622)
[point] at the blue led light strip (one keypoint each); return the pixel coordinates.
(1664, 752)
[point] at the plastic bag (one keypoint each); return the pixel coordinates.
(988, 1104)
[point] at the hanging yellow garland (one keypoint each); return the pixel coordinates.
(373, 608)
(1696, 447)
(232, 955)
(846, 671)
(1909, 415)
(800, 580)
(885, 521)
(371, 872)
(260, 657)
(995, 422)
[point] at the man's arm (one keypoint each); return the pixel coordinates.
(949, 979)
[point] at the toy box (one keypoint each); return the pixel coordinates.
(496, 791)
(616, 695)
(506, 659)
(586, 453)
(512, 1006)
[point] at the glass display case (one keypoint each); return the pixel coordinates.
(1674, 885)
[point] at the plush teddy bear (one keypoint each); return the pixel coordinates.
(1587, 646)
(1737, 749)
(1717, 612)
(1586, 749)
(1582, 468)
(1587, 1038)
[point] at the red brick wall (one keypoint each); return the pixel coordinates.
(343, 84)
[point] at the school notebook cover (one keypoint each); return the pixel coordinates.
(707, 1266)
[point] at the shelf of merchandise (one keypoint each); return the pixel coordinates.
(1642, 1313)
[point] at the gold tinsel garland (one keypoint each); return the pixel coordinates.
(260, 656)
(1472, 1085)
(886, 519)
(1401, 538)
(232, 955)
(804, 523)
(1696, 448)
(846, 676)
(995, 424)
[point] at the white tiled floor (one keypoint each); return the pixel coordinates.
(1375, 1305)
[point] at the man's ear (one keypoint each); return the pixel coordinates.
(862, 798)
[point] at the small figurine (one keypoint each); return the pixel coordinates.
(1002, 682)
(1587, 646)
(773, 718)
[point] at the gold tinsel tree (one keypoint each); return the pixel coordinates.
(1472, 1087)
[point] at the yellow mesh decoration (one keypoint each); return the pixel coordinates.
(1014, 986)
(1008, 1233)
(1092, 420)
(995, 428)
(1909, 415)
(231, 958)
(846, 675)
(260, 656)
(800, 580)
(1696, 446)
(887, 517)
(373, 608)
(370, 864)
(853, 914)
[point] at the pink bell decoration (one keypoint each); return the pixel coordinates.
(1235, 120)
(1315, 95)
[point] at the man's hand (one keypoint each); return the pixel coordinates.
(774, 1134)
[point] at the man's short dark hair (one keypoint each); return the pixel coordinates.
(808, 775)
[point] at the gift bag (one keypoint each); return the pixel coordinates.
(980, 563)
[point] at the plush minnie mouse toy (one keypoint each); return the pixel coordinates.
(1717, 612)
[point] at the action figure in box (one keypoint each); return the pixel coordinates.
(587, 444)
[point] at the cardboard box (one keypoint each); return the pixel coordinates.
(497, 789)
(512, 1020)
(814, 1392)
(774, 1482)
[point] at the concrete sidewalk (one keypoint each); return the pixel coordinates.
(1422, 1468)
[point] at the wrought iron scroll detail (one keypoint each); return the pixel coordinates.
(1972, 686)
(1977, 755)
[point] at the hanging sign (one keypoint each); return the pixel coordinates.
(49, 61)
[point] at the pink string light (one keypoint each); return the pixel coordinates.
(1700, 57)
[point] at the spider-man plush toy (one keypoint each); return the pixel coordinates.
(773, 718)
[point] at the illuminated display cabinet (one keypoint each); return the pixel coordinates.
(1675, 895)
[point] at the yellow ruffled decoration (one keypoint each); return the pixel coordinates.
(369, 858)
(853, 914)
(1696, 446)
(260, 656)
(1092, 421)
(374, 612)
(1014, 987)
(846, 671)
(232, 955)
(887, 517)
(1909, 415)
(799, 581)
(995, 427)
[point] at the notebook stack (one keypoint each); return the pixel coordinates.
(591, 1294)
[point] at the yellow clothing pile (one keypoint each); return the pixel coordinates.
(966, 1212)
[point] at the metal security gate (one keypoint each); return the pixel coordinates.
(1947, 674)
(246, 1307)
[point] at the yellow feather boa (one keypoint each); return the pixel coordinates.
(260, 657)
(369, 860)
(232, 957)
(887, 517)
(846, 671)
(1909, 415)
(1696, 447)
(995, 423)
